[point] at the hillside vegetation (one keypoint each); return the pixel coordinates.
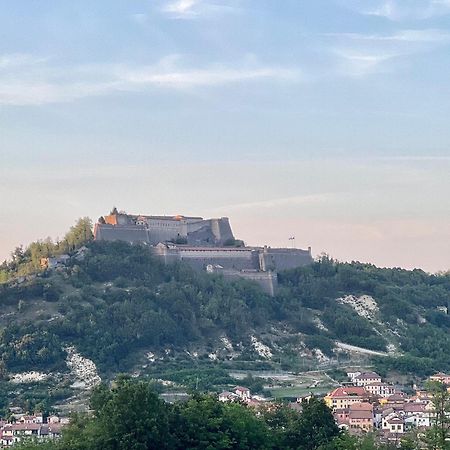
(120, 307)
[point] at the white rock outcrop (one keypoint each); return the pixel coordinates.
(28, 377)
(84, 369)
(260, 348)
(227, 343)
(365, 306)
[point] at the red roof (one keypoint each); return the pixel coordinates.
(360, 415)
(414, 407)
(240, 388)
(362, 406)
(348, 391)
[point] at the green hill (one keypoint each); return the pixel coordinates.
(114, 305)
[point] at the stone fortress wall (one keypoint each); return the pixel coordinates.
(204, 244)
(155, 229)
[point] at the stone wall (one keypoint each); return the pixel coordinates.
(200, 257)
(133, 234)
(195, 230)
(284, 258)
(267, 281)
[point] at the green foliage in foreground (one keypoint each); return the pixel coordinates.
(132, 417)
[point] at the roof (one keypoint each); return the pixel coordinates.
(240, 388)
(440, 375)
(26, 426)
(414, 407)
(360, 415)
(367, 376)
(362, 406)
(396, 397)
(394, 420)
(346, 391)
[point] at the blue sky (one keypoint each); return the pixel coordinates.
(327, 119)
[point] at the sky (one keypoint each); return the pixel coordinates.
(327, 120)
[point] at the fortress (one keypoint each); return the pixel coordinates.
(204, 244)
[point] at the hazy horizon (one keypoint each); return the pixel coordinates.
(324, 120)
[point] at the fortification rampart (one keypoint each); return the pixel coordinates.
(192, 230)
(200, 243)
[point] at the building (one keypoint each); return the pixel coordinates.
(54, 262)
(393, 423)
(227, 396)
(242, 392)
(366, 378)
(416, 415)
(381, 389)
(154, 229)
(441, 377)
(360, 417)
(344, 397)
(353, 375)
(204, 244)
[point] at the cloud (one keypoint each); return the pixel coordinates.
(359, 64)
(366, 54)
(181, 7)
(15, 60)
(213, 76)
(191, 9)
(280, 202)
(431, 35)
(24, 82)
(400, 10)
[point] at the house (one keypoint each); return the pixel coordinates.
(242, 392)
(29, 426)
(441, 377)
(353, 375)
(53, 419)
(343, 397)
(360, 417)
(366, 378)
(396, 400)
(54, 262)
(379, 388)
(6, 441)
(393, 423)
(416, 415)
(227, 396)
(36, 418)
(26, 429)
(341, 417)
(54, 430)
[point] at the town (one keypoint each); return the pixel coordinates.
(365, 404)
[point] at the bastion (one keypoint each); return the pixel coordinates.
(204, 244)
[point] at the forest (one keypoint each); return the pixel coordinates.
(118, 300)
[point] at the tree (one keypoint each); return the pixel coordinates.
(438, 436)
(205, 423)
(315, 426)
(78, 235)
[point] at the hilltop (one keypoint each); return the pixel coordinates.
(112, 307)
